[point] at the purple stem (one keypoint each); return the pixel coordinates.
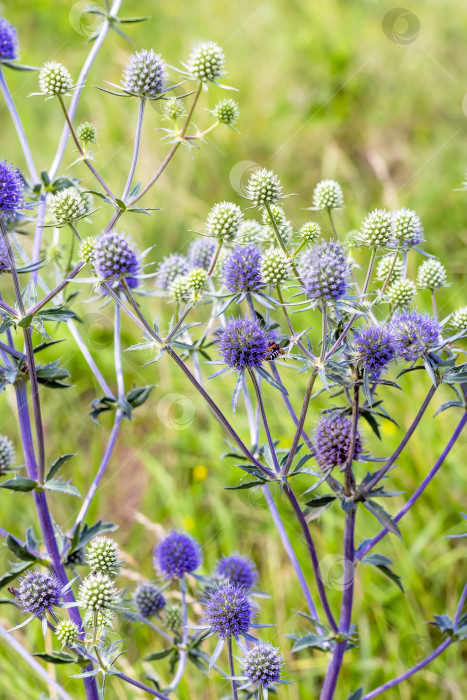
(48, 297)
(291, 411)
(420, 489)
(19, 129)
(259, 398)
(332, 675)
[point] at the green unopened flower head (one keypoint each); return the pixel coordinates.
(180, 289)
(459, 319)
(67, 632)
(432, 274)
(328, 195)
(67, 206)
(173, 617)
(197, 279)
(87, 132)
(102, 556)
(54, 79)
(264, 187)
(250, 231)
(97, 593)
(401, 293)
(7, 454)
(224, 220)
(384, 266)
(275, 267)
(86, 250)
(377, 229)
(174, 109)
(310, 232)
(206, 61)
(278, 214)
(226, 111)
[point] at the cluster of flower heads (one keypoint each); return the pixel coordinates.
(398, 229)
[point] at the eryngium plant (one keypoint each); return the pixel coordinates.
(234, 295)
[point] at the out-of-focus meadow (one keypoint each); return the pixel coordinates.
(325, 90)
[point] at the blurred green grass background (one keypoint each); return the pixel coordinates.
(323, 92)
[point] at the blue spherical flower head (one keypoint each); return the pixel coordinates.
(11, 190)
(38, 592)
(228, 611)
(262, 664)
(242, 343)
(8, 41)
(149, 600)
(115, 259)
(201, 252)
(4, 259)
(415, 334)
(241, 269)
(170, 268)
(177, 554)
(238, 569)
(332, 441)
(375, 348)
(325, 270)
(145, 74)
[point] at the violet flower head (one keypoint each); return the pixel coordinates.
(325, 270)
(11, 190)
(149, 600)
(262, 664)
(115, 259)
(332, 441)
(4, 259)
(241, 269)
(415, 334)
(8, 41)
(375, 348)
(228, 611)
(177, 554)
(238, 569)
(407, 228)
(170, 268)
(242, 343)
(38, 592)
(145, 74)
(201, 252)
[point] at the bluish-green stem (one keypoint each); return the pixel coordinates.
(301, 422)
(232, 668)
(183, 648)
(139, 125)
(259, 399)
(368, 274)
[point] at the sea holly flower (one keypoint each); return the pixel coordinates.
(458, 320)
(39, 593)
(115, 259)
(67, 206)
(67, 632)
(180, 289)
(310, 231)
(11, 190)
(145, 74)
(325, 270)
(384, 267)
(402, 292)
(201, 252)
(415, 334)
(173, 617)
(196, 280)
(8, 41)
(242, 343)
(86, 249)
(174, 109)
(262, 665)
(241, 269)
(206, 62)
(264, 188)
(55, 79)
(7, 454)
(250, 231)
(176, 555)
(97, 594)
(332, 440)
(432, 274)
(224, 220)
(377, 229)
(86, 132)
(228, 611)
(149, 600)
(375, 349)
(275, 267)
(238, 570)
(282, 223)
(172, 266)
(328, 195)
(102, 556)
(4, 258)
(226, 112)
(407, 228)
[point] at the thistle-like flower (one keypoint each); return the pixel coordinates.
(8, 41)
(328, 195)
(238, 570)
(206, 62)
(54, 79)
(332, 440)
(275, 267)
(180, 290)
(226, 111)
(115, 259)
(401, 293)
(7, 454)
(176, 555)
(223, 221)
(86, 249)
(264, 187)
(228, 611)
(325, 270)
(242, 343)
(38, 592)
(102, 556)
(376, 229)
(384, 266)
(196, 280)
(262, 664)
(310, 232)
(432, 274)
(170, 268)
(145, 74)
(241, 269)
(201, 252)
(250, 231)
(174, 109)
(149, 600)
(87, 132)
(415, 334)
(375, 348)
(407, 228)
(4, 258)
(173, 617)
(67, 632)
(97, 593)
(458, 320)
(67, 206)
(11, 190)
